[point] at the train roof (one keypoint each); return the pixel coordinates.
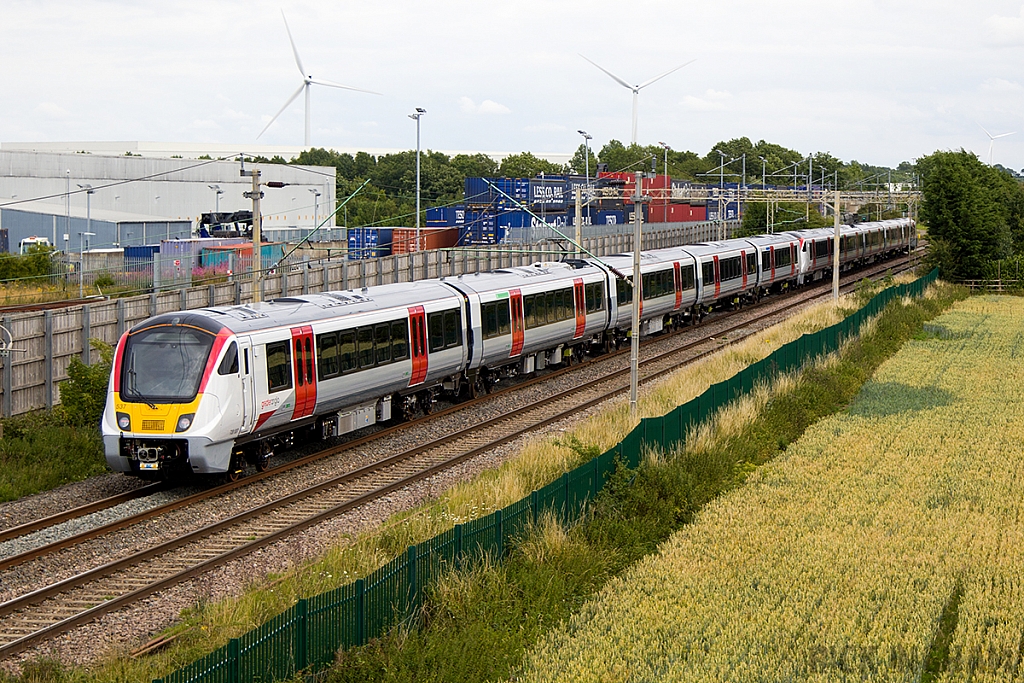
(517, 276)
(302, 310)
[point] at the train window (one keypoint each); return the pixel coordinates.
(540, 304)
(299, 377)
(730, 268)
(229, 366)
(382, 339)
(364, 344)
(399, 340)
(595, 297)
(347, 351)
(568, 309)
(530, 311)
(821, 249)
(309, 361)
(562, 304)
(496, 319)
(452, 329)
(752, 263)
(686, 276)
(766, 260)
(783, 257)
(624, 291)
(435, 327)
(660, 283)
(708, 272)
(279, 371)
(327, 355)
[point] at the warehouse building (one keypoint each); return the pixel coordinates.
(130, 200)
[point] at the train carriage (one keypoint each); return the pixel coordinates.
(778, 260)
(727, 271)
(528, 317)
(668, 284)
(205, 388)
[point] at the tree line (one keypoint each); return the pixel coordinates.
(389, 198)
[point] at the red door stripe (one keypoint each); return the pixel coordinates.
(677, 279)
(518, 332)
(417, 345)
(718, 279)
(579, 298)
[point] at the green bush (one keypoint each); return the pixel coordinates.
(84, 394)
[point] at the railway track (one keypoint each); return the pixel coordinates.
(52, 609)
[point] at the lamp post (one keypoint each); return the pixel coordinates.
(67, 214)
(316, 206)
(81, 262)
(417, 116)
(587, 137)
(764, 164)
(216, 189)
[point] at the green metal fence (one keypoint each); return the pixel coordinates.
(308, 635)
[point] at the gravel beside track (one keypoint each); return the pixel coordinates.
(125, 630)
(29, 508)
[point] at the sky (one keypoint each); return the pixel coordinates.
(874, 81)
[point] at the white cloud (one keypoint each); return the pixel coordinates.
(52, 110)
(545, 128)
(1000, 85)
(486, 107)
(1007, 29)
(713, 100)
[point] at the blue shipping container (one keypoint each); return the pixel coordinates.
(548, 192)
(366, 243)
(446, 216)
(496, 191)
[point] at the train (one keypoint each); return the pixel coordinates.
(211, 390)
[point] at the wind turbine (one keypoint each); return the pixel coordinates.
(307, 80)
(992, 141)
(636, 88)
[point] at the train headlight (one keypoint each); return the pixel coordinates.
(184, 422)
(124, 421)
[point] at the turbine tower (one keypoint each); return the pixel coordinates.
(636, 88)
(992, 141)
(307, 80)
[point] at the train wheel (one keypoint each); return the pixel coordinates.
(478, 387)
(235, 470)
(426, 402)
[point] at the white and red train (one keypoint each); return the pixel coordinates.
(208, 390)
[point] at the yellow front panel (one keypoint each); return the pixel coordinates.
(159, 419)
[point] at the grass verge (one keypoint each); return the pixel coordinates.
(39, 451)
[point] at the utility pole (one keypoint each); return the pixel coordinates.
(634, 348)
(257, 250)
(579, 221)
(835, 251)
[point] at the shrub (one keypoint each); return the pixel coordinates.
(84, 394)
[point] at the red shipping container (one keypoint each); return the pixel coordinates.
(403, 240)
(677, 213)
(658, 188)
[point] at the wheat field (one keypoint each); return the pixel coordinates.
(837, 561)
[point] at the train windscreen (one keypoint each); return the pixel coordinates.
(164, 364)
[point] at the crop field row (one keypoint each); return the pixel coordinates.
(839, 560)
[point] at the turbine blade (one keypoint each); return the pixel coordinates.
(986, 132)
(279, 111)
(1003, 135)
(658, 78)
(330, 84)
(298, 62)
(617, 79)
